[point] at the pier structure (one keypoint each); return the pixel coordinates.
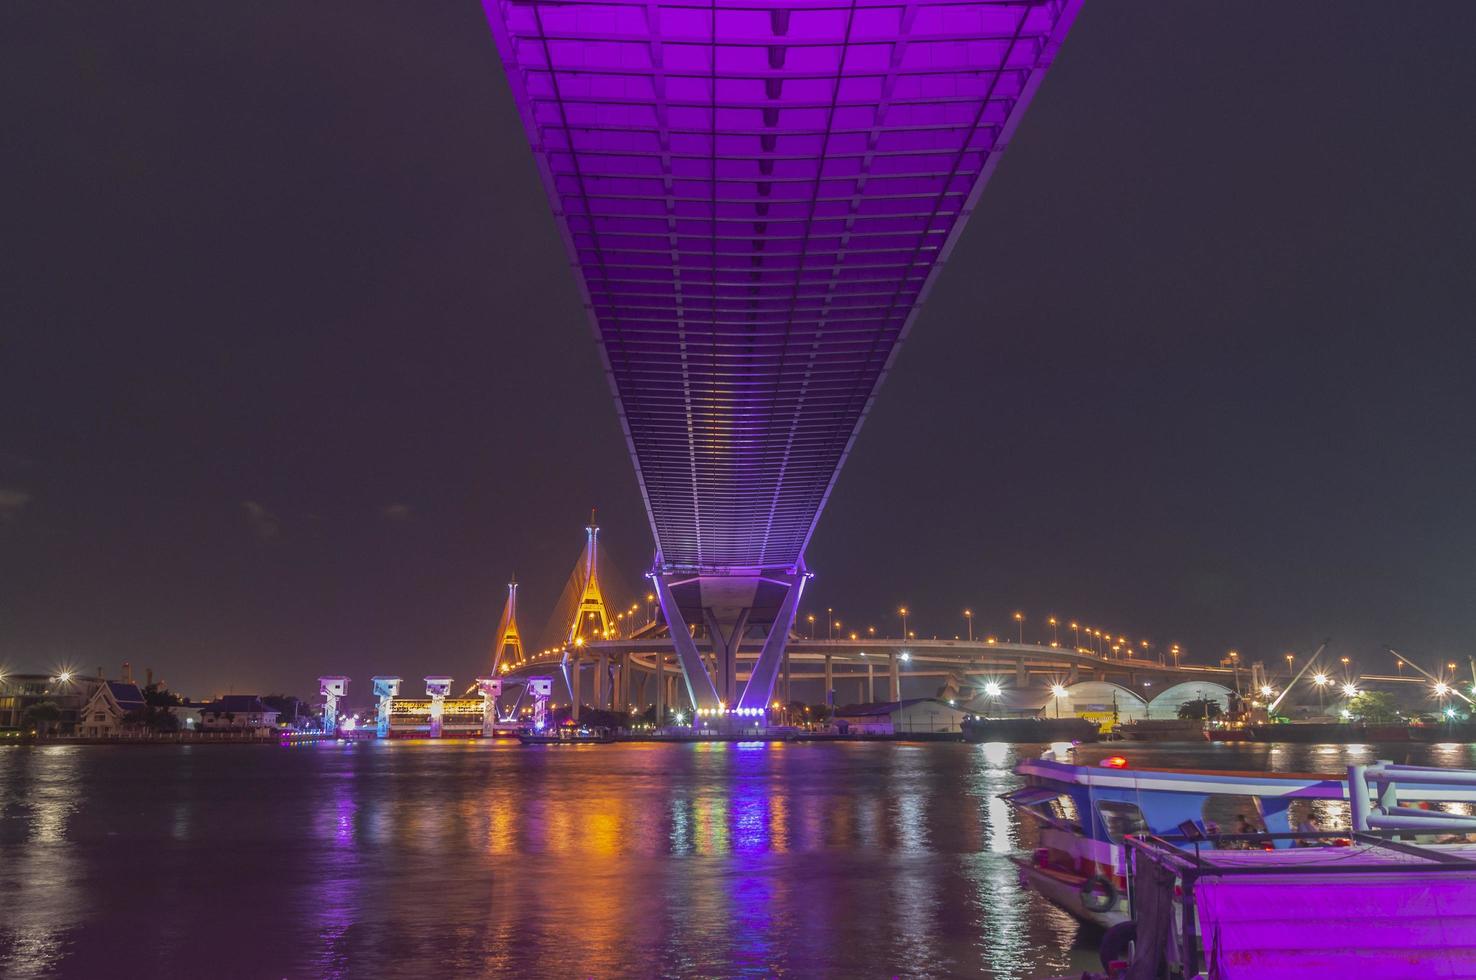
(386, 689)
(540, 689)
(491, 689)
(332, 688)
(437, 686)
(756, 200)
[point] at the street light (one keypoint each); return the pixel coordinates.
(829, 623)
(969, 618)
(1322, 681)
(992, 689)
(903, 611)
(811, 618)
(1020, 626)
(1350, 690)
(1058, 692)
(1174, 649)
(1055, 639)
(1289, 658)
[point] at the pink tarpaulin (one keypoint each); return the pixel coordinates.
(1416, 924)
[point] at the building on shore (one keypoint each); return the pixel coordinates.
(913, 716)
(114, 707)
(67, 691)
(238, 713)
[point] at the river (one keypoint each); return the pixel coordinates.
(468, 858)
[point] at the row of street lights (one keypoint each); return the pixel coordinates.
(1099, 641)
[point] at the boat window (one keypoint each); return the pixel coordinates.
(1121, 819)
(1231, 813)
(1063, 808)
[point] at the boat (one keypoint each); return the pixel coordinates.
(1044, 730)
(1163, 730)
(566, 735)
(1086, 812)
(1397, 898)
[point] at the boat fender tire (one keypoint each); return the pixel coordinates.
(1098, 894)
(1115, 943)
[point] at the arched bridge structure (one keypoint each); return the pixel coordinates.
(756, 196)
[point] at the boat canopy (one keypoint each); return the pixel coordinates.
(1032, 795)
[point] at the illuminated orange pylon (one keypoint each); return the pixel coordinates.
(509, 642)
(590, 613)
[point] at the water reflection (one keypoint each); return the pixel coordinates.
(39, 873)
(632, 860)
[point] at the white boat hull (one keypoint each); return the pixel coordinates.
(1064, 890)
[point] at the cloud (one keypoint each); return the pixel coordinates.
(396, 512)
(264, 523)
(12, 502)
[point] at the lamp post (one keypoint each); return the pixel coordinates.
(811, 618)
(1235, 667)
(969, 618)
(829, 623)
(1075, 636)
(1289, 659)
(1321, 680)
(903, 612)
(1020, 626)
(1175, 651)
(1055, 637)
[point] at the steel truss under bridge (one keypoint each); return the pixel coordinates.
(757, 196)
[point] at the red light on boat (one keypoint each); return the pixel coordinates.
(1114, 762)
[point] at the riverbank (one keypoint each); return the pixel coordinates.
(174, 738)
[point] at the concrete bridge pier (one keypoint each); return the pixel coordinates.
(894, 678)
(574, 693)
(829, 681)
(658, 698)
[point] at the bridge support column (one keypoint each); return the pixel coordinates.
(760, 688)
(659, 697)
(829, 684)
(870, 683)
(574, 693)
(1022, 676)
(700, 691)
(725, 654)
(602, 681)
(894, 678)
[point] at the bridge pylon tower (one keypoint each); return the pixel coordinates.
(590, 613)
(509, 643)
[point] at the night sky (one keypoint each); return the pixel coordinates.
(293, 373)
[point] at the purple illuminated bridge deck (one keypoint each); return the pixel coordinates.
(757, 196)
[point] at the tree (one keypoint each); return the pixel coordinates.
(1200, 709)
(1374, 708)
(41, 714)
(158, 714)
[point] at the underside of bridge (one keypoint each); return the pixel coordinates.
(757, 196)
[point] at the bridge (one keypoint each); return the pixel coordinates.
(756, 197)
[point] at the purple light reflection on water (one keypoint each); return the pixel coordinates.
(859, 859)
